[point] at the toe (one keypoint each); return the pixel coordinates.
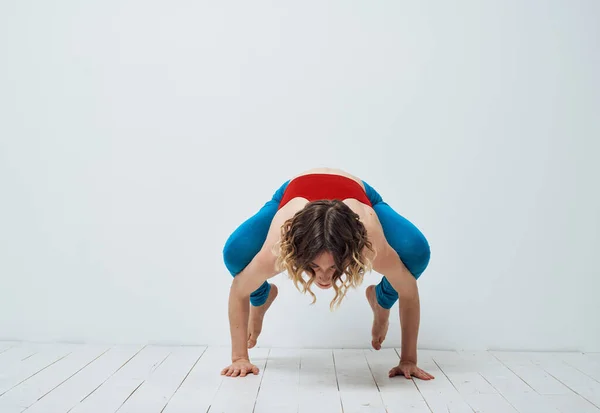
(251, 341)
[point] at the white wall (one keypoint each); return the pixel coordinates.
(136, 135)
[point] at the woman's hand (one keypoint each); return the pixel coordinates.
(240, 368)
(409, 369)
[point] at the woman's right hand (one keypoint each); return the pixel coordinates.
(240, 368)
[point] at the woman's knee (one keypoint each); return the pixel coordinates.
(239, 250)
(415, 253)
(405, 238)
(231, 256)
(418, 256)
(248, 238)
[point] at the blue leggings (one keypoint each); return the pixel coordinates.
(410, 244)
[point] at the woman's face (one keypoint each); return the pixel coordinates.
(324, 268)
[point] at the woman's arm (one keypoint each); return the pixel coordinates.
(260, 269)
(405, 284)
(388, 263)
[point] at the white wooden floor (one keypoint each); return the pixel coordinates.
(58, 378)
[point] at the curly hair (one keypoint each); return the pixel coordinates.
(325, 226)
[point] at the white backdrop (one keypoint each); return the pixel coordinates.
(136, 135)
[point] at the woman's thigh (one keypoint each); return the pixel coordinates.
(403, 236)
(248, 238)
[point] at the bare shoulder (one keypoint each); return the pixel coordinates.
(274, 234)
(369, 219)
(386, 260)
(385, 257)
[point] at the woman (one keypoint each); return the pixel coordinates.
(326, 228)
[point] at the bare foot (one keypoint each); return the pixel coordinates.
(257, 314)
(381, 317)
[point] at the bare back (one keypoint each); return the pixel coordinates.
(331, 171)
(367, 215)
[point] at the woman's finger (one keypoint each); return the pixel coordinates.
(422, 375)
(429, 376)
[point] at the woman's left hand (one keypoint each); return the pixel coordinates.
(409, 369)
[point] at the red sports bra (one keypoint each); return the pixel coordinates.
(324, 186)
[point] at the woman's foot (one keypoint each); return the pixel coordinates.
(257, 314)
(381, 317)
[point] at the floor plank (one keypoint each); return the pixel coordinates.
(5, 345)
(590, 366)
(490, 403)
(30, 391)
(31, 365)
(64, 378)
(531, 403)
(497, 374)
(245, 389)
(198, 390)
(570, 403)
(279, 389)
(318, 388)
(14, 355)
(113, 393)
(358, 389)
(574, 379)
(397, 393)
(536, 377)
(156, 391)
(464, 371)
(440, 394)
(67, 396)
